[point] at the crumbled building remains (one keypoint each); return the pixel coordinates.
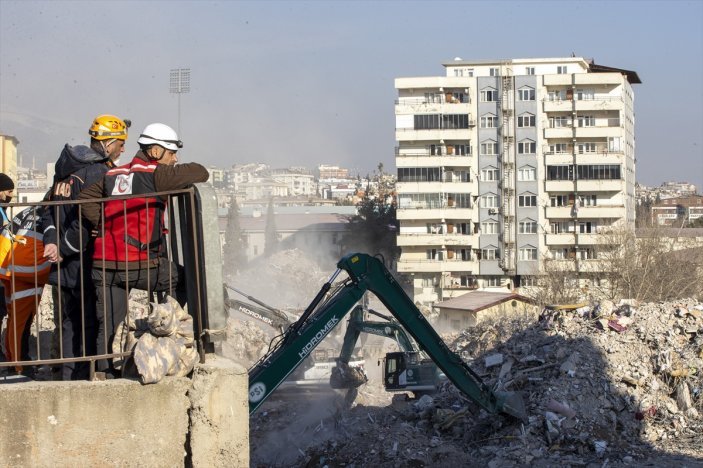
(604, 385)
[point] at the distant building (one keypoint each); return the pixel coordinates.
(677, 211)
(326, 172)
(8, 155)
(317, 230)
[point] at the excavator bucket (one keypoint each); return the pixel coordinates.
(512, 403)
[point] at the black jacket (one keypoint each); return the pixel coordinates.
(77, 167)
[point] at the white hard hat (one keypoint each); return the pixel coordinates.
(162, 135)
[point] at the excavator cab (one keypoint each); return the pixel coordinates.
(409, 371)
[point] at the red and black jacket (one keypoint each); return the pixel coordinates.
(133, 228)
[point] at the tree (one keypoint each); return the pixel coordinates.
(373, 229)
(235, 256)
(271, 234)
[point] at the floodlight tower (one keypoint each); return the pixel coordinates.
(180, 84)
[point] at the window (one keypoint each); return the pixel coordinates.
(460, 150)
(462, 228)
(526, 120)
(565, 172)
(489, 201)
(527, 227)
(490, 253)
(586, 254)
(435, 254)
(559, 200)
(586, 227)
(489, 95)
(494, 71)
(489, 227)
(489, 121)
(527, 147)
(556, 95)
(489, 147)
(586, 148)
(584, 94)
(526, 281)
(588, 200)
(529, 70)
(435, 150)
(586, 121)
(560, 227)
(527, 253)
(434, 228)
(489, 174)
(526, 94)
(599, 171)
(527, 200)
(561, 70)
(469, 72)
(527, 173)
(468, 281)
(492, 282)
(558, 148)
(419, 174)
(559, 121)
(436, 121)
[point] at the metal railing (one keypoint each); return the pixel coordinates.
(182, 246)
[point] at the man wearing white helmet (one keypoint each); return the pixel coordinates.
(130, 247)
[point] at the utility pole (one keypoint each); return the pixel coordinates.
(180, 84)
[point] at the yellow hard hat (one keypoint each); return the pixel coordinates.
(108, 127)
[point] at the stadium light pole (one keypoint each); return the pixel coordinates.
(180, 84)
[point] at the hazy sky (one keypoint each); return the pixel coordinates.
(308, 83)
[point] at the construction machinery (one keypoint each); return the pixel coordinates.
(407, 370)
(328, 308)
(317, 369)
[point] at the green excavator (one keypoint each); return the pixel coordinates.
(328, 309)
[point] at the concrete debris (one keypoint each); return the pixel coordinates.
(596, 396)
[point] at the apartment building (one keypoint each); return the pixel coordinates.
(502, 164)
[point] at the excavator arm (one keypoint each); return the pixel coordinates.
(367, 273)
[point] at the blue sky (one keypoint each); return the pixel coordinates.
(308, 83)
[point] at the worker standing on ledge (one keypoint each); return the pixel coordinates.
(78, 167)
(130, 247)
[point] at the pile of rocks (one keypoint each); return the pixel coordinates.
(603, 385)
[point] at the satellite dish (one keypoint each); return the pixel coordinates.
(458, 58)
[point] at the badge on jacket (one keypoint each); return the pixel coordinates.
(123, 185)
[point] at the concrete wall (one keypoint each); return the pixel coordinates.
(202, 421)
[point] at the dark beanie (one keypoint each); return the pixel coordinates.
(6, 183)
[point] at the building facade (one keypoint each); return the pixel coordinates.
(502, 164)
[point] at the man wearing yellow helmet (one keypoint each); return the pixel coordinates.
(130, 250)
(78, 167)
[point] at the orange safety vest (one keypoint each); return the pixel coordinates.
(22, 249)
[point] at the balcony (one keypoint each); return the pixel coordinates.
(435, 266)
(582, 79)
(435, 187)
(610, 185)
(409, 240)
(425, 160)
(596, 103)
(559, 185)
(560, 239)
(436, 134)
(406, 106)
(593, 212)
(425, 212)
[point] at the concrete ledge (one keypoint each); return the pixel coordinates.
(219, 415)
(119, 422)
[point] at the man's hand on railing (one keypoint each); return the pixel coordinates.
(51, 253)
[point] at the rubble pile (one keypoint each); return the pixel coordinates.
(603, 385)
(245, 342)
